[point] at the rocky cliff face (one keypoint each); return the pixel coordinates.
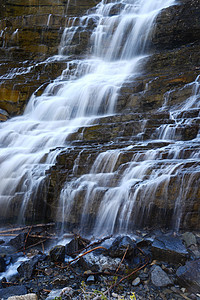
(31, 33)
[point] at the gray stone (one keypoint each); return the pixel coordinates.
(26, 268)
(136, 281)
(170, 249)
(54, 294)
(159, 278)
(189, 239)
(189, 275)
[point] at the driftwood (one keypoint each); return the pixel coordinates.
(11, 230)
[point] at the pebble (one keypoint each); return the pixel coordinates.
(136, 281)
(90, 279)
(114, 295)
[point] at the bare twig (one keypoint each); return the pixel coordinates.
(25, 228)
(26, 239)
(89, 251)
(36, 244)
(122, 259)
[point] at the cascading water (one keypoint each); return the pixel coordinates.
(31, 143)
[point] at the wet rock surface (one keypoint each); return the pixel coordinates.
(24, 69)
(169, 248)
(140, 273)
(189, 275)
(165, 82)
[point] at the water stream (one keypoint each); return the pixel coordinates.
(31, 143)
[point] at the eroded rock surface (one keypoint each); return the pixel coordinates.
(167, 80)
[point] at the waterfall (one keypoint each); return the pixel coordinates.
(123, 197)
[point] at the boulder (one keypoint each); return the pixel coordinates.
(76, 244)
(18, 241)
(57, 253)
(170, 249)
(120, 245)
(27, 268)
(189, 275)
(159, 278)
(189, 239)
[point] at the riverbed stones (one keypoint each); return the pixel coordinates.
(165, 80)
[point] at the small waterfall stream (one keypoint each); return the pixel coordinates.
(88, 88)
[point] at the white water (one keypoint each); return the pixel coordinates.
(118, 44)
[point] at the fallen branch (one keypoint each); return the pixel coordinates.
(78, 257)
(43, 236)
(26, 239)
(89, 251)
(26, 228)
(9, 283)
(47, 291)
(122, 259)
(36, 244)
(129, 275)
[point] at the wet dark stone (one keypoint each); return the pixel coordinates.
(16, 290)
(57, 254)
(120, 245)
(27, 268)
(2, 264)
(189, 275)
(86, 265)
(3, 283)
(170, 249)
(177, 25)
(75, 245)
(18, 241)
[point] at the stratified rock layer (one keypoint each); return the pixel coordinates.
(164, 82)
(30, 33)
